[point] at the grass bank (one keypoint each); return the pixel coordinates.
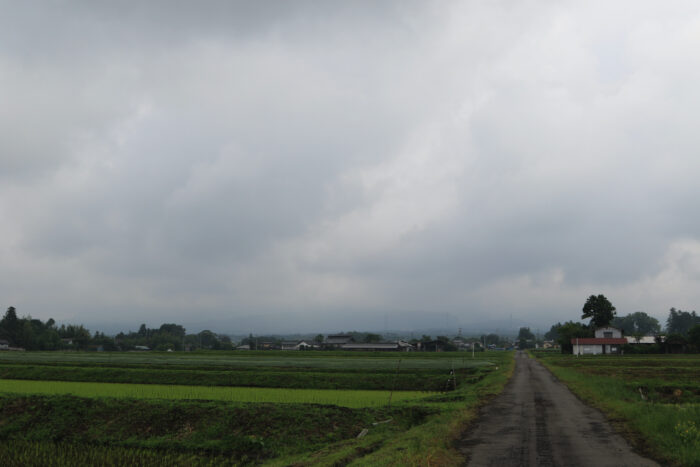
(649, 398)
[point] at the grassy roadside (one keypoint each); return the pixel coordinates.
(429, 443)
(665, 429)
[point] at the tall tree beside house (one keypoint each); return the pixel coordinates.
(568, 331)
(599, 310)
(680, 322)
(553, 333)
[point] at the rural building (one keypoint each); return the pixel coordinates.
(295, 345)
(398, 346)
(337, 340)
(4, 345)
(607, 340)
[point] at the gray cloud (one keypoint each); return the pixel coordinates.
(260, 162)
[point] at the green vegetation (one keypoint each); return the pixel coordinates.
(362, 361)
(654, 398)
(407, 380)
(599, 310)
(210, 422)
(343, 398)
(319, 370)
(246, 433)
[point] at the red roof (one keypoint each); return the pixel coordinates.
(599, 340)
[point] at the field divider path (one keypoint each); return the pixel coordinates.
(538, 421)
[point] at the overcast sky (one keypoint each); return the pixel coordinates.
(285, 166)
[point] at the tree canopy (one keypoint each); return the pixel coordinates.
(637, 324)
(680, 322)
(526, 339)
(599, 310)
(570, 330)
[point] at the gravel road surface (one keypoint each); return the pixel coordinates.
(537, 421)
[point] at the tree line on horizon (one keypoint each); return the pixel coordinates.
(33, 334)
(682, 330)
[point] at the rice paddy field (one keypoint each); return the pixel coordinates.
(653, 399)
(236, 408)
(339, 397)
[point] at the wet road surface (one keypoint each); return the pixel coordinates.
(537, 421)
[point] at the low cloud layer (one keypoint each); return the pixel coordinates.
(289, 166)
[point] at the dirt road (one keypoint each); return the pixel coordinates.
(537, 421)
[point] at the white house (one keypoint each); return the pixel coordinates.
(607, 340)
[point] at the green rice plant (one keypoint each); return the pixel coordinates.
(344, 398)
(362, 361)
(418, 380)
(46, 454)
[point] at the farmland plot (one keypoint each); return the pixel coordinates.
(77, 406)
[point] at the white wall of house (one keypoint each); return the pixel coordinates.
(595, 349)
(608, 332)
(588, 349)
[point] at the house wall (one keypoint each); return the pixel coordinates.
(595, 349)
(588, 349)
(600, 332)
